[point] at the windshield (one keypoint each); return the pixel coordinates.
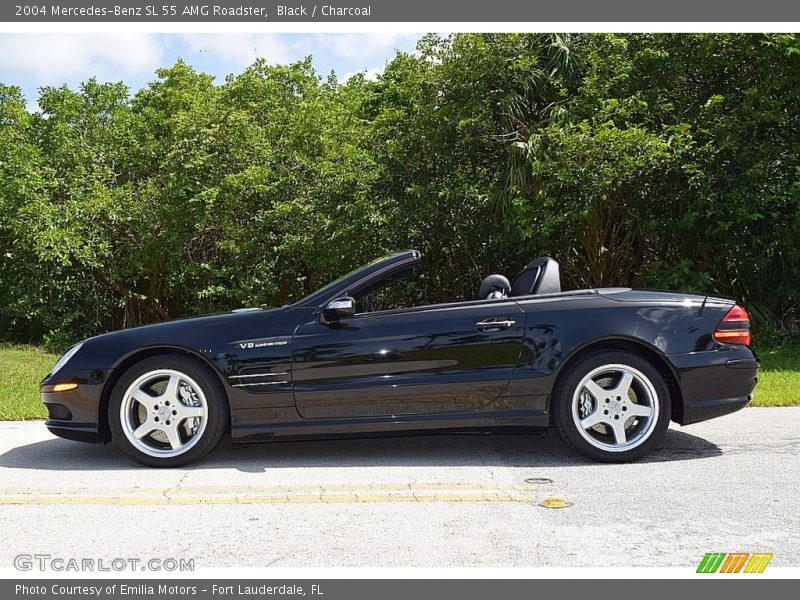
(322, 292)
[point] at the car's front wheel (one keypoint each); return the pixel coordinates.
(167, 411)
(612, 406)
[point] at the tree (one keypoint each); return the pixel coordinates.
(658, 160)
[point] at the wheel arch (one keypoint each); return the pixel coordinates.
(641, 349)
(131, 359)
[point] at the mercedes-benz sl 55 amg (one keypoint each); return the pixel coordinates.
(607, 368)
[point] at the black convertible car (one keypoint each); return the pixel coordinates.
(609, 368)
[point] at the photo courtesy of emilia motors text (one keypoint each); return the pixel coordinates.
(401, 300)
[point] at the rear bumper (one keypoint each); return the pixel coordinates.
(714, 383)
(703, 410)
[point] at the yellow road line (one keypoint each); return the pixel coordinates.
(274, 489)
(293, 499)
(275, 494)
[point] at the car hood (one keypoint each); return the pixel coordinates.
(208, 335)
(187, 323)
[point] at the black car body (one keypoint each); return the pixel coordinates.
(317, 367)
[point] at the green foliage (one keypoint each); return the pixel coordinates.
(682, 276)
(658, 160)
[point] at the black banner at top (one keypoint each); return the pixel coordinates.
(401, 11)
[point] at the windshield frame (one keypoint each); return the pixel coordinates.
(358, 277)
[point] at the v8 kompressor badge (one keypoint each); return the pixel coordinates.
(261, 343)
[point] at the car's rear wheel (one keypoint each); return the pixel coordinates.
(612, 406)
(167, 411)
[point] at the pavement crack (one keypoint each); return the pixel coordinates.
(275, 561)
(166, 493)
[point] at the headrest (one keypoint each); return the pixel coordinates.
(540, 276)
(494, 284)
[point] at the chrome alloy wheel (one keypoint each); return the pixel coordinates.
(164, 413)
(615, 408)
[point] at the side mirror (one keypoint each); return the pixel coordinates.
(339, 308)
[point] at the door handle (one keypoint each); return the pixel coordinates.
(495, 324)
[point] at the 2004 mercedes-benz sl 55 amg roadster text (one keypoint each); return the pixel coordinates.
(608, 368)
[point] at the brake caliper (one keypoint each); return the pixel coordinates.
(189, 398)
(586, 404)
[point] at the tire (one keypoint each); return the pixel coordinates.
(168, 411)
(598, 416)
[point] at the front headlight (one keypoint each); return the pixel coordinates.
(65, 358)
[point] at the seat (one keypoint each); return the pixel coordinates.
(538, 277)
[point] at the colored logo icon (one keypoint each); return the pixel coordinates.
(734, 562)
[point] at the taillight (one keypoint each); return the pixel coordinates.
(734, 327)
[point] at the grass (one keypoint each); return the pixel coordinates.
(23, 367)
(779, 379)
(21, 370)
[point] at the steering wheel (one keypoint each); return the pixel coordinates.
(369, 305)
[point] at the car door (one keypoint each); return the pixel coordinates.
(449, 358)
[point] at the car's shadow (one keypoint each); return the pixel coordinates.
(510, 450)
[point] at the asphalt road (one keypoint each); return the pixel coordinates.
(458, 500)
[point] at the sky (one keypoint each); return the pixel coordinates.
(31, 61)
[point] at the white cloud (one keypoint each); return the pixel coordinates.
(237, 50)
(240, 50)
(53, 59)
(35, 60)
(362, 47)
(369, 74)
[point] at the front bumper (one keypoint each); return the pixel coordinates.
(74, 415)
(715, 383)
